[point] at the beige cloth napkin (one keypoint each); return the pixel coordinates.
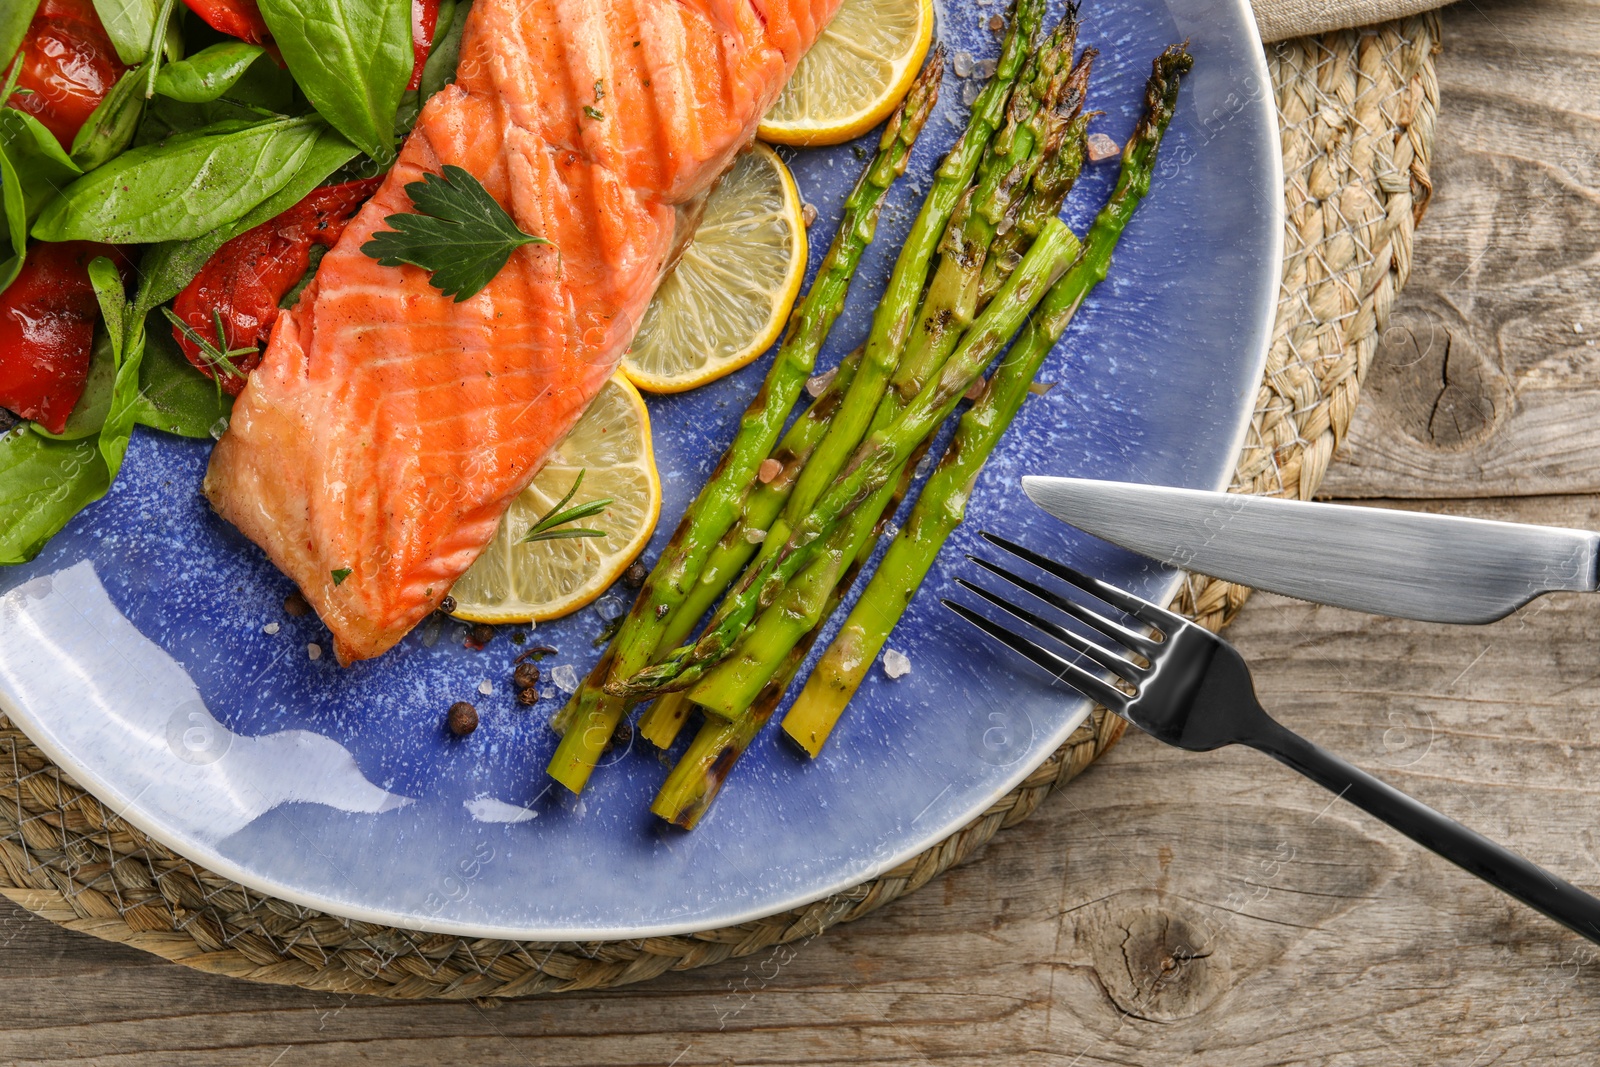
(1280, 19)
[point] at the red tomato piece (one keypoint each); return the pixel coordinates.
(236, 18)
(68, 67)
(47, 320)
(244, 280)
(424, 23)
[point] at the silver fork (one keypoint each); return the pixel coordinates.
(1190, 688)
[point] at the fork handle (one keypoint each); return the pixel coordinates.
(1472, 852)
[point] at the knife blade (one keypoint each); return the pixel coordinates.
(1437, 568)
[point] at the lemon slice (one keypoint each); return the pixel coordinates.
(727, 299)
(856, 73)
(515, 582)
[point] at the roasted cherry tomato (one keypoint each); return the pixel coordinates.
(424, 23)
(68, 66)
(245, 279)
(47, 320)
(236, 18)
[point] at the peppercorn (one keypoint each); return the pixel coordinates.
(528, 696)
(635, 575)
(448, 605)
(482, 634)
(526, 675)
(463, 718)
(295, 606)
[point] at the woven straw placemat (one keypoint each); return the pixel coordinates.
(1357, 111)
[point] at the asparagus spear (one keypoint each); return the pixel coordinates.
(730, 687)
(943, 501)
(890, 325)
(593, 716)
(661, 721)
(1006, 163)
(874, 464)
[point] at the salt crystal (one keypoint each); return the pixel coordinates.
(1102, 147)
(270, 628)
(770, 469)
(962, 64)
(1577, 327)
(755, 537)
(818, 383)
(895, 664)
(547, 693)
(808, 214)
(987, 68)
(609, 607)
(890, 532)
(486, 687)
(219, 428)
(1040, 388)
(566, 678)
(970, 93)
(314, 651)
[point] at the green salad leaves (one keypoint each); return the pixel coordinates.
(352, 59)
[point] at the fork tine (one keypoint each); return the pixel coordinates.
(1109, 627)
(1106, 658)
(1140, 609)
(1063, 670)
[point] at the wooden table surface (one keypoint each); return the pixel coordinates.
(1171, 908)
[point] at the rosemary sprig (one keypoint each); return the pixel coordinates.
(217, 355)
(546, 528)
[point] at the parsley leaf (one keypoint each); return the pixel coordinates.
(340, 575)
(593, 112)
(546, 528)
(461, 234)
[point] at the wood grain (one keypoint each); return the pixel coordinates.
(1170, 908)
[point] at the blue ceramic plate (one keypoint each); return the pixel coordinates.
(146, 651)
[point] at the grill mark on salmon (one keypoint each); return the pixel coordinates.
(388, 427)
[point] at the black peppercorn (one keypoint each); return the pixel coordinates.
(482, 634)
(526, 675)
(463, 718)
(635, 575)
(295, 606)
(448, 605)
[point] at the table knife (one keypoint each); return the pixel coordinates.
(1437, 568)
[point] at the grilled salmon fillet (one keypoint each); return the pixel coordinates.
(388, 427)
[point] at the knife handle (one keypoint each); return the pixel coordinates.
(1472, 852)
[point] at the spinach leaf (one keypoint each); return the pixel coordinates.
(126, 332)
(168, 267)
(130, 24)
(352, 59)
(111, 126)
(43, 484)
(184, 187)
(208, 73)
(174, 397)
(440, 69)
(89, 415)
(14, 20)
(33, 169)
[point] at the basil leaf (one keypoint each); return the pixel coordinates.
(168, 267)
(440, 69)
(352, 59)
(174, 397)
(43, 484)
(15, 15)
(13, 211)
(130, 25)
(111, 126)
(89, 415)
(208, 73)
(181, 188)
